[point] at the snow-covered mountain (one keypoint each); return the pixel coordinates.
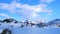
(15, 23)
(12, 24)
(55, 22)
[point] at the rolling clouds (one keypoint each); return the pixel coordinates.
(28, 11)
(47, 1)
(5, 15)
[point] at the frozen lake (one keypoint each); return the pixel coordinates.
(36, 31)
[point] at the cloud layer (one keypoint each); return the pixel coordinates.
(28, 11)
(5, 15)
(47, 1)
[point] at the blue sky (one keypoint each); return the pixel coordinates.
(30, 9)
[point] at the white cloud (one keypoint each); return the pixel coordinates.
(10, 7)
(4, 6)
(5, 15)
(33, 15)
(47, 1)
(26, 10)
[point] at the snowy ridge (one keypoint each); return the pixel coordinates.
(11, 24)
(14, 23)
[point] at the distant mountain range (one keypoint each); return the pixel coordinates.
(55, 22)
